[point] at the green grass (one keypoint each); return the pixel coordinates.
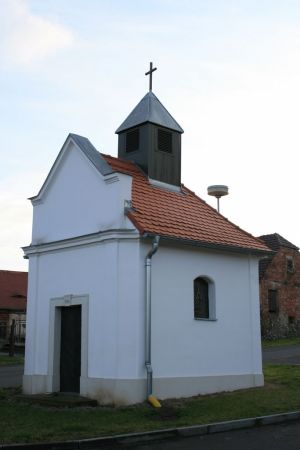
(22, 422)
(280, 342)
(6, 360)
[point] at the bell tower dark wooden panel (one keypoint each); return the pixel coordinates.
(165, 156)
(158, 152)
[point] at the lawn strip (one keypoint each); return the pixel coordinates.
(6, 360)
(20, 422)
(280, 342)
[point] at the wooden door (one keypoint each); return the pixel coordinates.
(70, 349)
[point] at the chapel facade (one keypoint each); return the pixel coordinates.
(137, 287)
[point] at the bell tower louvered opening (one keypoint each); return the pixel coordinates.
(132, 140)
(164, 140)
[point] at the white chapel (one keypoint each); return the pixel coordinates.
(137, 287)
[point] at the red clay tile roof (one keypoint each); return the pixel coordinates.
(180, 215)
(13, 290)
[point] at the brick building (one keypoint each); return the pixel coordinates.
(279, 276)
(13, 299)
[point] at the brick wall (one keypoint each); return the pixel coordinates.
(285, 322)
(4, 316)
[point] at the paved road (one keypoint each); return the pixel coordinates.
(289, 354)
(11, 376)
(273, 437)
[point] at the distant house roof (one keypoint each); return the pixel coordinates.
(150, 109)
(13, 290)
(181, 215)
(274, 242)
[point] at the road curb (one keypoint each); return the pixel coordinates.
(120, 440)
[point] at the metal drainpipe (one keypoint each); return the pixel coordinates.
(153, 250)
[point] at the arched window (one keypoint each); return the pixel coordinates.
(201, 298)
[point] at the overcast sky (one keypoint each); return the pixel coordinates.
(228, 72)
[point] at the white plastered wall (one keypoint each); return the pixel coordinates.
(188, 356)
(199, 356)
(105, 276)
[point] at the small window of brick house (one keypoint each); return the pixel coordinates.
(289, 264)
(272, 301)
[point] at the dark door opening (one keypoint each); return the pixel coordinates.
(70, 349)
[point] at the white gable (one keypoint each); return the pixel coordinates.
(77, 199)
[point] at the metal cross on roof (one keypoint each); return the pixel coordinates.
(150, 73)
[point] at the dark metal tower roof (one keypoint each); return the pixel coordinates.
(150, 109)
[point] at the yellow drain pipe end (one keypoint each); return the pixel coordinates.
(153, 401)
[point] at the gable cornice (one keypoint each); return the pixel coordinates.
(80, 241)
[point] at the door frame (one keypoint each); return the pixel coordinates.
(53, 376)
(70, 349)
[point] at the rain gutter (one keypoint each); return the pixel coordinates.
(148, 365)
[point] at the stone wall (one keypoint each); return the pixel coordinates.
(285, 321)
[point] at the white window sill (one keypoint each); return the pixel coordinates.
(205, 320)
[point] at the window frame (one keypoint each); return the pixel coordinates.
(290, 268)
(273, 310)
(211, 300)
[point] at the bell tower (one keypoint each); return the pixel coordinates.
(151, 138)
